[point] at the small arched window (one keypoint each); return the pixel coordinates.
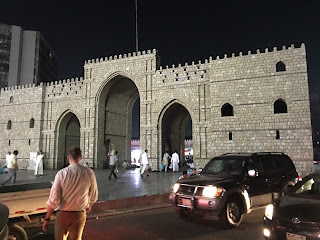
(9, 125)
(11, 99)
(31, 124)
(226, 110)
(280, 67)
(280, 106)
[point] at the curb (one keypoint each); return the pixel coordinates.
(108, 213)
(129, 203)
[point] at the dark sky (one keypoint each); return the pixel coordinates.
(182, 31)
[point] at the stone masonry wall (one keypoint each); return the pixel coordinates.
(250, 83)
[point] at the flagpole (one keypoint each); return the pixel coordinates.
(137, 44)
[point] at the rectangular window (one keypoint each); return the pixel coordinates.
(230, 136)
(277, 134)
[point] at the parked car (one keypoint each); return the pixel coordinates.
(27, 207)
(4, 216)
(296, 215)
(233, 184)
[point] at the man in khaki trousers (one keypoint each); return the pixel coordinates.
(73, 192)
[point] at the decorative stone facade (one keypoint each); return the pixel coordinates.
(95, 111)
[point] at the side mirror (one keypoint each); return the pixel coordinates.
(200, 170)
(252, 173)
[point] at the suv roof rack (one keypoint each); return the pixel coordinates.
(235, 153)
(256, 153)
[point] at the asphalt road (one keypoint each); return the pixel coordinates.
(160, 224)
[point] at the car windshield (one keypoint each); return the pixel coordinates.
(226, 166)
(308, 187)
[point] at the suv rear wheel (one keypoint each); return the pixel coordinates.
(231, 215)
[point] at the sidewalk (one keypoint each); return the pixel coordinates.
(129, 183)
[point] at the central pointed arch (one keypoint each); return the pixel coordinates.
(114, 101)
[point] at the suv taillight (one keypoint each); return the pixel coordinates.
(300, 178)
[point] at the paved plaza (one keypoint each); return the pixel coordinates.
(128, 184)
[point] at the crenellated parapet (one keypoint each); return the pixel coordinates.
(198, 71)
(120, 57)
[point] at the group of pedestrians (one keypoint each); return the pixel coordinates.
(11, 166)
(174, 161)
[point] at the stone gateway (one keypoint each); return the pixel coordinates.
(244, 103)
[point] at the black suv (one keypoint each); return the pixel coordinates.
(233, 184)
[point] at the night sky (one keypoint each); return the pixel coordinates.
(182, 31)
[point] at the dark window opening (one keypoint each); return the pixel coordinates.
(280, 106)
(177, 79)
(280, 67)
(11, 100)
(9, 125)
(9, 142)
(188, 78)
(31, 124)
(230, 136)
(277, 134)
(29, 141)
(226, 110)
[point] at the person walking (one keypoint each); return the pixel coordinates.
(166, 158)
(113, 164)
(175, 161)
(73, 193)
(12, 166)
(144, 163)
(39, 164)
(5, 166)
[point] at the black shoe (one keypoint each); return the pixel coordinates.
(147, 175)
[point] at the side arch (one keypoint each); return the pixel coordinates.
(171, 125)
(67, 134)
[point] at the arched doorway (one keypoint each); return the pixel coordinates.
(176, 127)
(115, 103)
(68, 135)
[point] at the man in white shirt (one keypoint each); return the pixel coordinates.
(12, 168)
(113, 164)
(73, 193)
(144, 163)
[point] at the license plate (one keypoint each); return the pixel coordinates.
(291, 236)
(186, 202)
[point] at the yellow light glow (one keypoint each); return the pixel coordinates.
(266, 232)
(209, 191)
(269, 211)
(176, 187)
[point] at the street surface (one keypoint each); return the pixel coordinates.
(164, 224)
(128, 184)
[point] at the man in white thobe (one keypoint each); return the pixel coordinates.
(39, 164)
(175, 161)
(144, 163)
